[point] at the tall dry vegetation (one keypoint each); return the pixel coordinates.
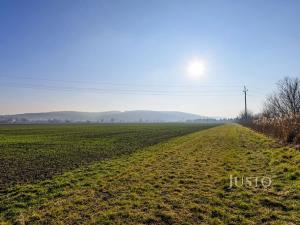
(281, 114)
(286, 127)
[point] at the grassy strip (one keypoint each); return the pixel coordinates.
(182, 181)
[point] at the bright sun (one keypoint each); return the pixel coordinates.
(195, 68)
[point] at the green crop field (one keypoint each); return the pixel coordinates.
(29, 153)
(182, 180)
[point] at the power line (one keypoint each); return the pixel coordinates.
(214, 84)
(121, 91)
(245, 93)
(200, 90)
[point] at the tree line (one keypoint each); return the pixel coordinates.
(281, 113)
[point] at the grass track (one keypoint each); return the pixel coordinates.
(182, 181)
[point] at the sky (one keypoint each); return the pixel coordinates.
(135, 55)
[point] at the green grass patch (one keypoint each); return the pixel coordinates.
(30, 153)
(181, 181)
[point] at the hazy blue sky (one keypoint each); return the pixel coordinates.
(126, 55)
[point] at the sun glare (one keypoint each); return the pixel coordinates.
(195, 68)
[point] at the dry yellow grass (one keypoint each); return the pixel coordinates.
(285, 128)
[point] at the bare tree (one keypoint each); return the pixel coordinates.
(245, 117)
(286, 100)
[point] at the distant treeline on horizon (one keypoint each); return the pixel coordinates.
(109, 117)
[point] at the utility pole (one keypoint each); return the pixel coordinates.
(245, 93)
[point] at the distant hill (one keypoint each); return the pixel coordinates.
(102, 117)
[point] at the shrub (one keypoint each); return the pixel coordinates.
(286, 128)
